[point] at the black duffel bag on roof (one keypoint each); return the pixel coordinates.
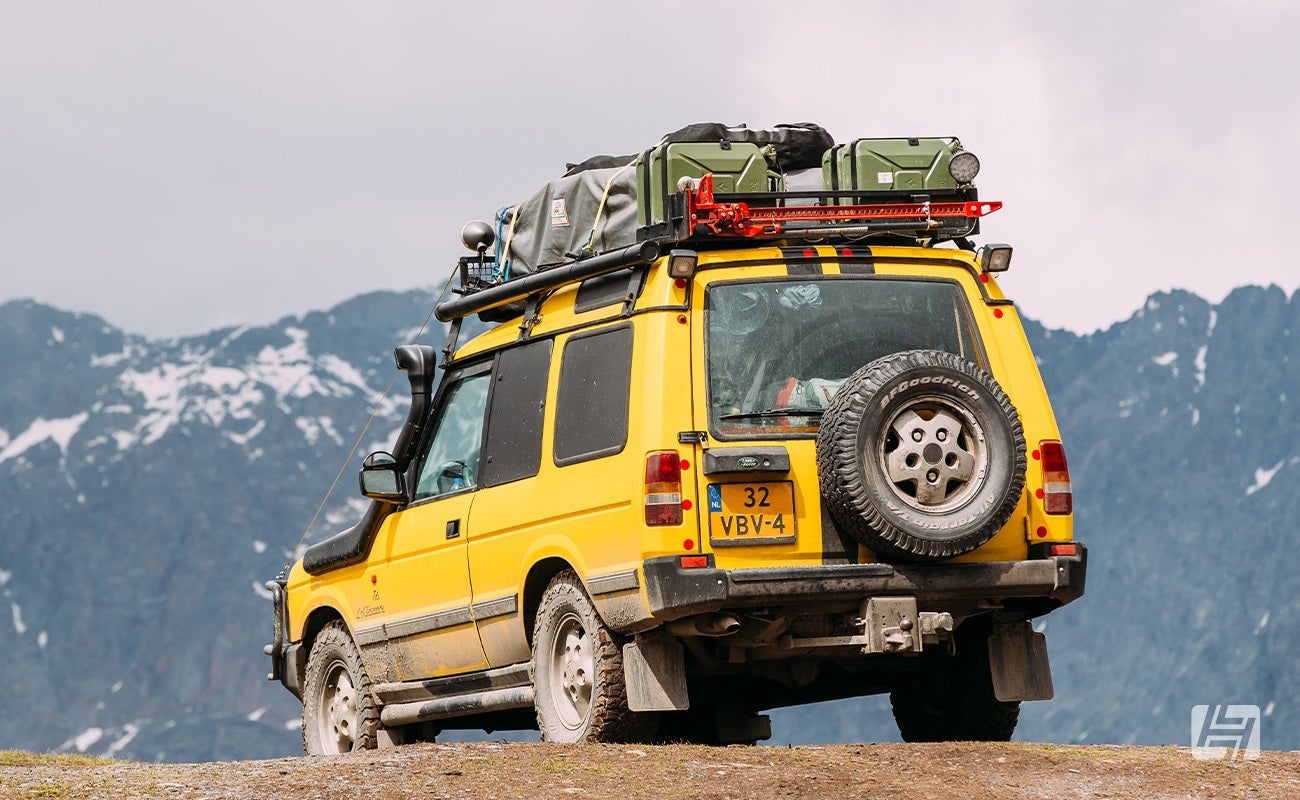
(799, 145)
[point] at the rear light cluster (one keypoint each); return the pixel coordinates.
(663, 488)
(1058, 497)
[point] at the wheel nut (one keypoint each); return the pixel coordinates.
(917, 435)
(932, 476)
(941, 435)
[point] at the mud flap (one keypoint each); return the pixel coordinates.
(654, 671)
(1018, 662)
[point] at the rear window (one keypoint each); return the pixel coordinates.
(591, 413)
(777, 350)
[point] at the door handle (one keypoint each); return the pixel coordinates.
(453, 528)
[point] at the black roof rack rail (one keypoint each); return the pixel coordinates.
(474, 301)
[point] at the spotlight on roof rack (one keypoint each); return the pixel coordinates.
(477, 235)
(995, 257)
(681, 263)
(963, 166)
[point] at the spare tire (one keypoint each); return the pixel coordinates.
(921, 456)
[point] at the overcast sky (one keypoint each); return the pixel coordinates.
(175, 167)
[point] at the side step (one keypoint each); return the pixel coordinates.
(457, 706)
(501, 689)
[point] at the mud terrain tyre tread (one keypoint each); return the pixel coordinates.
(333, 645)
(858, 492)
(608, 718)
(962, 707)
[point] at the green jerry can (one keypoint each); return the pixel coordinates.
(882, 165)
(736, 167)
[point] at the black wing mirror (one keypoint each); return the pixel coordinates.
(383, 479)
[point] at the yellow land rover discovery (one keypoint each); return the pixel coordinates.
(785, 445)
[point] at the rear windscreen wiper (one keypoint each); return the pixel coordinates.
(782, 411)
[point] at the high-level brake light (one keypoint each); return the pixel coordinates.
(1058, 497)
(663, 488)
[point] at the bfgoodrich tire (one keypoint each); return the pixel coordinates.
(339, 713)
(921, 456)
(577, 672)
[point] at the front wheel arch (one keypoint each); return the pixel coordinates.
(316, 621)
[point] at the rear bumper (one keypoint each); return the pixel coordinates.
(675, 592)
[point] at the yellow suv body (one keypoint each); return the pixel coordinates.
(675, 490)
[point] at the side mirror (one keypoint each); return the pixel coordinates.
(383, 479)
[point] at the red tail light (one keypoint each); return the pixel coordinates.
(1058, 498)
(663, 488)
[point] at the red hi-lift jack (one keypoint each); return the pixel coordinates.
(740, 219)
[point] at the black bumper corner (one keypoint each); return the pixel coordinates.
(288, 661)
(675, 591)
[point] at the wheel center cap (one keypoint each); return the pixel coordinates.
(932, 453)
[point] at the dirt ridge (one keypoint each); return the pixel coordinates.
(498, 771)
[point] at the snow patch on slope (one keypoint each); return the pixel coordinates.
(129, 732)
(313, 427)
(1263, 477)
(243, 438)
(87, 738)
(60, 431)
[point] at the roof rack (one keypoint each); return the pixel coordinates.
(483, 296)
(697, 214)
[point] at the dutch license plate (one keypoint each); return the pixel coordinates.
(751, 513)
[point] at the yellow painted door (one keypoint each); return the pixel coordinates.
(426, 594)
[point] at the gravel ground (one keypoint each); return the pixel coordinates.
(497, 771)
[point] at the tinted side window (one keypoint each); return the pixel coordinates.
(592, 407)
(451, 464)
(513, 447)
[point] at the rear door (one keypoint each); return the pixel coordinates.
(757, 478)
(778, 342)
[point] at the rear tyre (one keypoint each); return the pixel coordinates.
(921, 456)
(577, 671)
(339, 712)
(956, 703)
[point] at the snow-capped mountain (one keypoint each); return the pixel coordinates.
(149, 487)
(147, 490)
